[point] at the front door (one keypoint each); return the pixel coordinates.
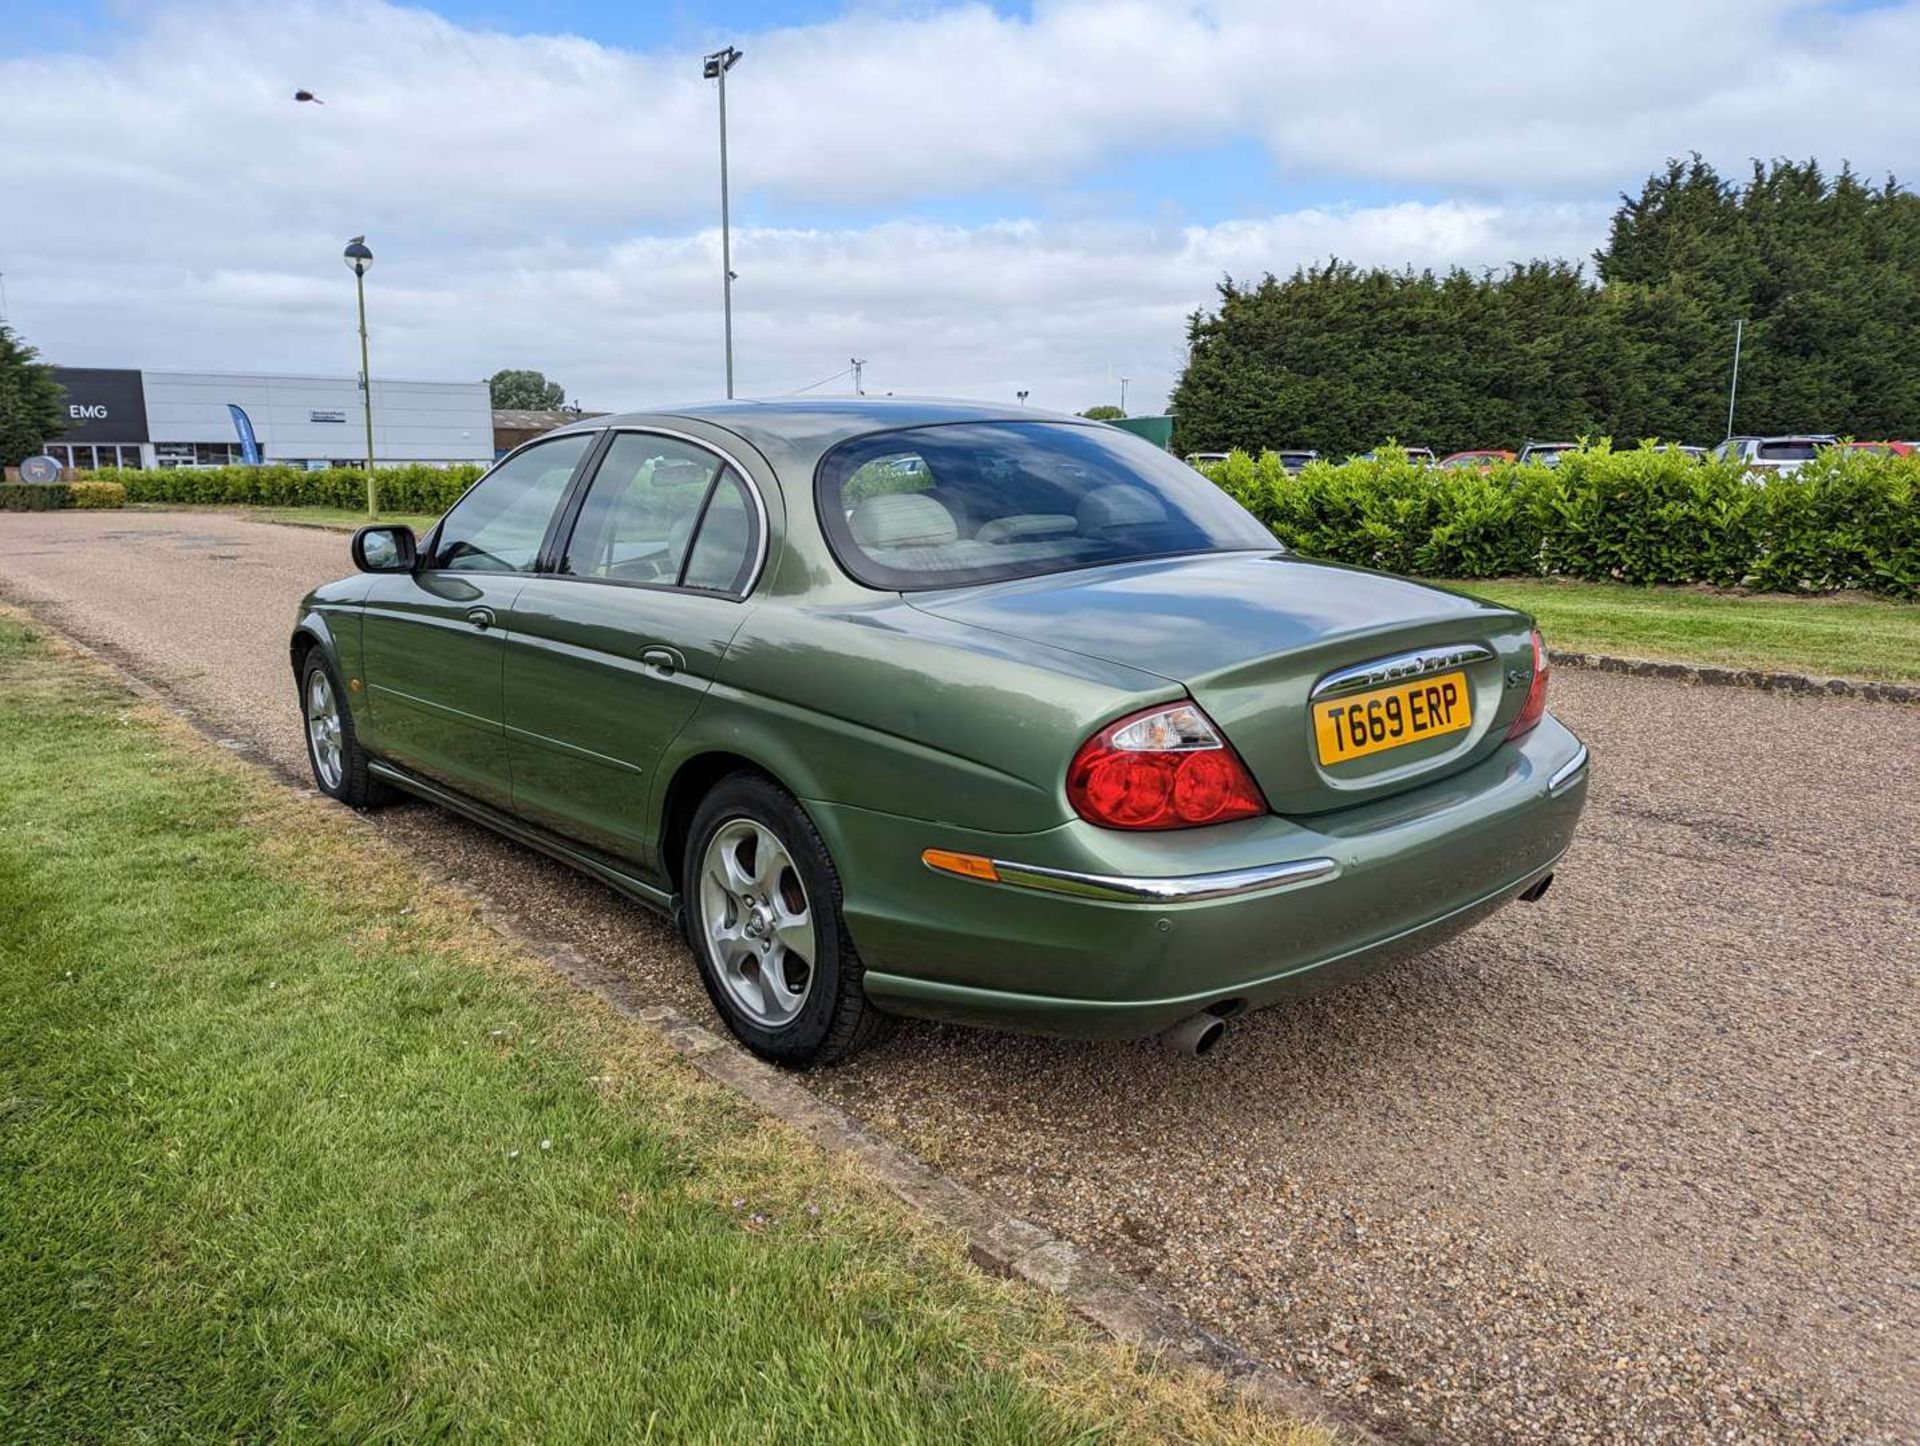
(608, 658)
(431, 640)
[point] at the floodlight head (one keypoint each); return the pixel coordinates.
(720, 62)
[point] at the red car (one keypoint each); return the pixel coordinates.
(1885, 449)
(1481, 459)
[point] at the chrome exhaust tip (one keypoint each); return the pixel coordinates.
(1195, 1036)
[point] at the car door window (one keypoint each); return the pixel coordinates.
(664, 512)
(637, 522)
(500, 524)
(728, 539)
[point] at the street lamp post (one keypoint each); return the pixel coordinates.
(715, 67)
(1123, 395)
(1022, 394)
(1733, 387)
(358, 259)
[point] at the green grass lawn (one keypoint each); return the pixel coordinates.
(342, 519)
(1850, 636)
(292, 1146)
(334, 519)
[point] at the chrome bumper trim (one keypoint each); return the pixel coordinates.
(1190, 889)
(1568, 773)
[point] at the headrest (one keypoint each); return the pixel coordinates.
(902, 519)
(1118, 506)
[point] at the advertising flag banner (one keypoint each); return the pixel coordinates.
(249, 447)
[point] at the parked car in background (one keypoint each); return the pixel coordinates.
(1697, 453)
(1205, 459)
(1421, 455)
(1546, 454)
(1885, 449)
(1294, 458)
(1774, 454)
(1481, 458)
(945, 710)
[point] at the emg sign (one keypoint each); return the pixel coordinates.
(103, 405)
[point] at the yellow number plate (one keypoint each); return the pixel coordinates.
(1352, 727)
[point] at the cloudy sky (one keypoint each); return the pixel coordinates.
(975, 198)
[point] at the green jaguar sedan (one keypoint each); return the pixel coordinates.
(906, 708)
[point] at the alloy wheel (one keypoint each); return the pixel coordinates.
(758, 922)
(324, 729)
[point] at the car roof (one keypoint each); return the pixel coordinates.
(794, 432)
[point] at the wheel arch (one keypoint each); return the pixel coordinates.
(312, 632)
(693, 778)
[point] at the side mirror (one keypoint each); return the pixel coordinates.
(384, 549)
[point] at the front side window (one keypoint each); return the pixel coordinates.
(500, 524)
(953, 504)
(664, 512)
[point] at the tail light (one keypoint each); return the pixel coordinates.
(1163, 768)
(1536, 706)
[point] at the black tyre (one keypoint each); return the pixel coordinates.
(762, 904)
(338, 761)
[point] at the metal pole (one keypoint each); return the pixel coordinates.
(726, 236)
(1733, 390)
(1123, 396)
(858, 364)
(366, 388)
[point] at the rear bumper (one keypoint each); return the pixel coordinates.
(1096, 934)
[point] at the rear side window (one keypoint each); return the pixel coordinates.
(499, 525)
(1786, 452)
(948, 505)
(723, 552)
(664, 512)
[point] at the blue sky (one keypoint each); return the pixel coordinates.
(979, 197)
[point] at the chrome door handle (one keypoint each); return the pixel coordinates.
(662, 662)
(481, 618)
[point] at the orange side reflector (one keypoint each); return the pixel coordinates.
(968, 866)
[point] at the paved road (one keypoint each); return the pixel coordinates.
(1640, 1162)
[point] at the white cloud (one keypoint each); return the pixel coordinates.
(1059, 309)
(538, 200)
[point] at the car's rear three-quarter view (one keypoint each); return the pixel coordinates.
(949, 711)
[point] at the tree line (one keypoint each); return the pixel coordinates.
(1824, 272)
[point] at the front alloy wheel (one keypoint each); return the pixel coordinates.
(333, 748)
(323, 730)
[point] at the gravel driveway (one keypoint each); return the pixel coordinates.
(1640, 1162)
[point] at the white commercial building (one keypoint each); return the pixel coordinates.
(198, 419)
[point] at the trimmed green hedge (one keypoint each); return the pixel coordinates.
(89, 494)
(53, 496)
(409, 488)
(1845, 520)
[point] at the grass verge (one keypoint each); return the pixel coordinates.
(339, 519)
(1847, 636)
(292, 1145)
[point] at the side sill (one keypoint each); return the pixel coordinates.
(521, 832)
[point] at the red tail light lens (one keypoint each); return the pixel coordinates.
(1164, 768)
(1536, 706)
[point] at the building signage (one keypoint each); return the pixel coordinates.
(326, 414)
(39, 469)
(103, 405)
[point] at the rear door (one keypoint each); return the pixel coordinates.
(431, 640)
(608, 655)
